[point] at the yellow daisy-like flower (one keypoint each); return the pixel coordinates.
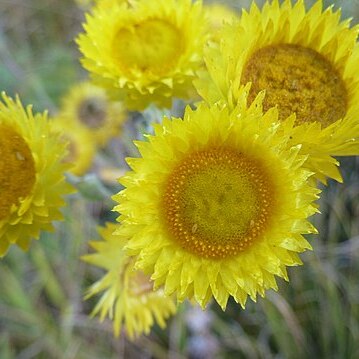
(31, 175)
(217, 204)
(307, 62)
(218, 15)
(128, 298)
(146, 53)
(88, 106)
(81, 147)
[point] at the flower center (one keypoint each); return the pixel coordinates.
(17, 169)
(152, 45)
(218, 202)
(92, 112)
(299, 80)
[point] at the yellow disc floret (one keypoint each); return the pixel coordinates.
(17, 170)
(299, 80)
(218, 202)
(151, 46)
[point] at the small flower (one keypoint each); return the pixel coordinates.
(144, 53)
(31, 175)
(88, 108)
(217, 204)
(128, 298)
(307, 62)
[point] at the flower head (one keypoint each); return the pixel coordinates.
(88, 108)
(128, 298)
(32, 175)
(307, 63)
(217, 204)
(145, 53)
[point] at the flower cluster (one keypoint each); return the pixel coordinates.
(218, 202)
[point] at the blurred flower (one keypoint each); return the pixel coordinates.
(145, 53)
(128, 298)
(307, 62)
(32, 175)
(218, 15)
(88, 108)
(217, 204)
(81, 147)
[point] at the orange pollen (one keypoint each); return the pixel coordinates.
(218, 202)
(299, 80)
(17, 170)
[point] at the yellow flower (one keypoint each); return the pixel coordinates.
(217, 204)
(307, 62)
(145, 53)
(88, 106)
(218, 15)
(31, 175)
(81, 147)
(128, 298)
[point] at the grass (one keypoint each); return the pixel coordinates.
(42, 312)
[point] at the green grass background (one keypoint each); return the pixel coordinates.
(42, 314)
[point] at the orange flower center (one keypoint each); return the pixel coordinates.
(218, 202)
(299, 80)
(17, 170)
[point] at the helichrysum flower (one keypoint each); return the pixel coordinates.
(32, 175)
(81, 147)
(128, 298)
(307, 61)
(144, 53)
(217, 204)
(88, 107)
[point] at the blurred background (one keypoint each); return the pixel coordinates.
(42, 312)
